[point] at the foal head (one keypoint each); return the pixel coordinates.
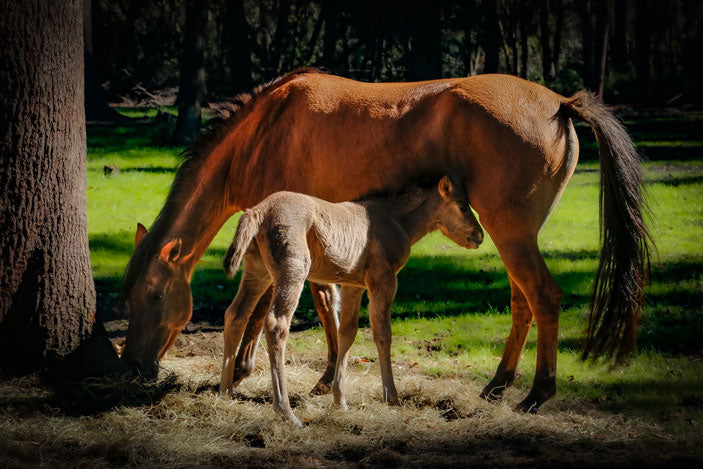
(454, 217)
(156, 294)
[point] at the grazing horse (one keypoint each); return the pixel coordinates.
(290, 237)
(512, 144)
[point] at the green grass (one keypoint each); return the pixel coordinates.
(451, 313)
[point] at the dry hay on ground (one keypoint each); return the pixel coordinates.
(181, 421)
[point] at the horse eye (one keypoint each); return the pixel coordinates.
(158, 296)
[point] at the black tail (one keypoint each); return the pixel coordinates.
(616, 306)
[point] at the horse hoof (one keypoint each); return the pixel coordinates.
(527, 407)
(492, 394)
(320, 389)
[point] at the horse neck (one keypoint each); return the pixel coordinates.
(195, 210)
(416, 213)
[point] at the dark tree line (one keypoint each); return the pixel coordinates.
(631, 51)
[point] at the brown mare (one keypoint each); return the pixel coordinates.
(510, 141)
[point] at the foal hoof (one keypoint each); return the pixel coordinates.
(321, 389)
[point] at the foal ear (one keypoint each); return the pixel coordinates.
(446, 188)
(141, 231)
(171, 251)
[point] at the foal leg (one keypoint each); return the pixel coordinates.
(527, 268)
(245, 361)
(522, 321)
(250, 290)
(381, 294)
(349, 324)
(326, 298)
(287, 290)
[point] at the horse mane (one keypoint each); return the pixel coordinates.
(229, 116)
(235, 110)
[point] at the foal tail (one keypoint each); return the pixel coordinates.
(249, 225)
(616, 304)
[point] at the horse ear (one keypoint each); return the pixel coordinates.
(171, 251)
(445, 187)
(141, 231)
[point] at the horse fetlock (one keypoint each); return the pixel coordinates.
(542, 390)
(322, 387)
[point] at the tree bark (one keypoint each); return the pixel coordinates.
(238, 46)
(192, 87)
(425, 54)
(491, 37)
(47, 295)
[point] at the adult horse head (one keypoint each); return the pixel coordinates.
(156, 295)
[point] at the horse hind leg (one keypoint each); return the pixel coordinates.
(527, 269)
(326, 299)
(522, 321)
(246, 356)
(251, 288)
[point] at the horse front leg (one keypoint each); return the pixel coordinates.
(326, 299)
(522, 321)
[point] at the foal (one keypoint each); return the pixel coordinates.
(359, 245)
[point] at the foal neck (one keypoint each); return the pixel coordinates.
(415, 212)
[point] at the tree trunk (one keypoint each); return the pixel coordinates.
(425, 55)
(47, 295)
(587, 43)
(545, 40)
(558, 28)
(602, 31)
(192, 87)
(277, 43)
(491, 37)
(643, 47)
(238, 46)
(469, 22)
(524, 38)
(329, 40)
(96, 107)
(619, 42)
